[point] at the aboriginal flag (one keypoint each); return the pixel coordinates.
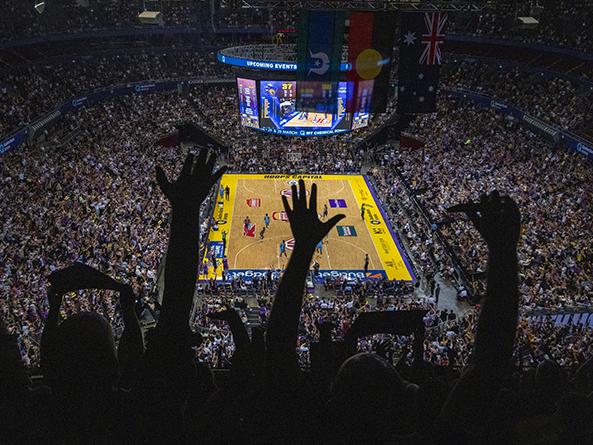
(319, 57)
(422, 35)
(371, 37)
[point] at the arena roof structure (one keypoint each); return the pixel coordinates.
(442, 5)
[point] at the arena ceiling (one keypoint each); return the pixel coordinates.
(442, 5)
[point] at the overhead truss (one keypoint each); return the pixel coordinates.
(442, 5)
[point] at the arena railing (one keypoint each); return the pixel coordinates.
(455, 261)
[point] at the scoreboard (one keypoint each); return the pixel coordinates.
(271, 106)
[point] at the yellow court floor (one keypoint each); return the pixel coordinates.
(235, 242)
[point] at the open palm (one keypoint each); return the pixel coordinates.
(306, 227)
(194, 182)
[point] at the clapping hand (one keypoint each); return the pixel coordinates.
(496, 217)
(306, 227)
(194, 182)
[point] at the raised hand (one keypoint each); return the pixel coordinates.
(240, 336)
(54, 298)
(194, 182)
(228, 314)
(306, 227)
(127, 298)
(496, 217)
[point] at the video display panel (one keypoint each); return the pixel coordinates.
(279, 114)
(248, 102)
(360, 117)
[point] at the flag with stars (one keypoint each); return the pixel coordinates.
(422, 35)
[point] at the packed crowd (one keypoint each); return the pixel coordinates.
(472, 147)
(561, 23)
(156, 391)
(557, 101)
(28, 94)
(83, 200)
(21, 20)
(555, 262)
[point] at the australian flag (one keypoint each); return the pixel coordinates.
(422, 35)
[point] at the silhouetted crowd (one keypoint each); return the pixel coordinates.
(384, 374)
(126, 361)
(555, 262)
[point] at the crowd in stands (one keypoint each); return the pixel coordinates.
(561, 23)
(564, 23)
(20, 19)
(156, 391)
(28, 94)
(558, 101)
(466, 148)
(83, 200)
(88, 193)
(555, 262)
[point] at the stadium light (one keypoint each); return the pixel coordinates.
(39, 7)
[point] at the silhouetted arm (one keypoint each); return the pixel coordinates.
(14, 378)
(186, 195)
(131, 344)
(240, 336)
(54, 298)
(308, 230)
(498, 221)
(169, 360)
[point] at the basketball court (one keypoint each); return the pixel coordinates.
(241, 216)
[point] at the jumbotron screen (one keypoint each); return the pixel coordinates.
(278, 112)
(247, 89)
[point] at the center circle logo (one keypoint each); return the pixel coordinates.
(288, 192)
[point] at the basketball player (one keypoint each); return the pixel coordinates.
(362, 211)
(283, 248)
(246, 224)
(262, 232)
(324, 211)
(267, 220)
(366, 263)
(227, 192)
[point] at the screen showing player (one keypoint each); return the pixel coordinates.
(248, 103)
(278, 110)
(362, 104)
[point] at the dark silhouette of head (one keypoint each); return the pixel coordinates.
(85, 357)
(550, 383)
(370, 402)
